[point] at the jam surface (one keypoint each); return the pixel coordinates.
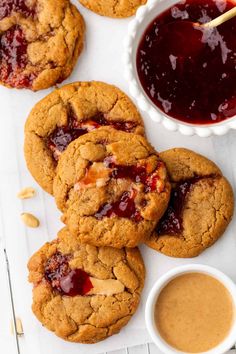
(9, 6)
(171, 222)
(13, 58)
(62, 136)
(66, 281)
(187, 71)
(136, 173)
(124, 208)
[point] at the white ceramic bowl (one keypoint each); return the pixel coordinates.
(137, 26)
(224, 346)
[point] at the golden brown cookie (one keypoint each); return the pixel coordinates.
(112, 188)
(40, 42)
(68, 113)
(113, 8)
(83, 293)
(201, 205)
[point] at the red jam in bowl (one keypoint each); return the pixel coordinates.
(189, 72)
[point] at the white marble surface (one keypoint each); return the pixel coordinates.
(101, 60)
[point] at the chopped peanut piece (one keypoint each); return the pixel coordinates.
(106, 287)
(29, 220)
(26, 193)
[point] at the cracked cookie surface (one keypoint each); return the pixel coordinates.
(201, 205)
(68, 113)
(40, 42)
(112, 188)
(113, 8)
(111, 281)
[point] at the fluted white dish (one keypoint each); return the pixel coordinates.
(137, 26)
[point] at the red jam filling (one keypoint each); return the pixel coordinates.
(187, 72)
(75, 283)
(124, 208)
(172, 222)
(66, 281)
(13, 58)
(137, 174)
(20, 6)
(62, 136)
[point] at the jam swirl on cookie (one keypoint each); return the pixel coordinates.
(172, 221)
(62, 136)
(99, 174)
(124, 207)
(13, 46)
(138, 173)
(7, 7)
(13, 57)
(66, 281)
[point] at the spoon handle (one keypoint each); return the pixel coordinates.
(221, 19)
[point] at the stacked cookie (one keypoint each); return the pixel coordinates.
(200, 208)
(113, 8)
(85, 144)
(109, 182)
(92, 135)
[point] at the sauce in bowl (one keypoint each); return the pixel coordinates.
(187, 71)
(194, 312)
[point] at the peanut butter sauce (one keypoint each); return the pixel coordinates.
(194, 312)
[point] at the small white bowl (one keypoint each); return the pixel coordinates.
(137, 26)
(228, 342)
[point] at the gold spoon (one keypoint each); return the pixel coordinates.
(188, 35)
(220, 19)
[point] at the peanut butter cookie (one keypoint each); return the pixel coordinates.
(83, 293)
(68, 113)
(113, 8)
(201, 205)
(40, 42)
(112, 188)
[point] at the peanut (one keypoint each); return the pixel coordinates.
(106, 287)
(26, 193)
(19, 327)
(29, 220)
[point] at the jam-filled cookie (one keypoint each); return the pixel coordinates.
(83, 293)
(112, 188)
(68, 113)
(40, 42)
(201, 205)
(113, 8)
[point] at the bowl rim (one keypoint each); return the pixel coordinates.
(136, 90)
(226, 344)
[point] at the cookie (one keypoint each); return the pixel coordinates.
(83, 293)
(67, 113)
(201, 205)
(40, 42)
(111, 187)
(113, 8)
